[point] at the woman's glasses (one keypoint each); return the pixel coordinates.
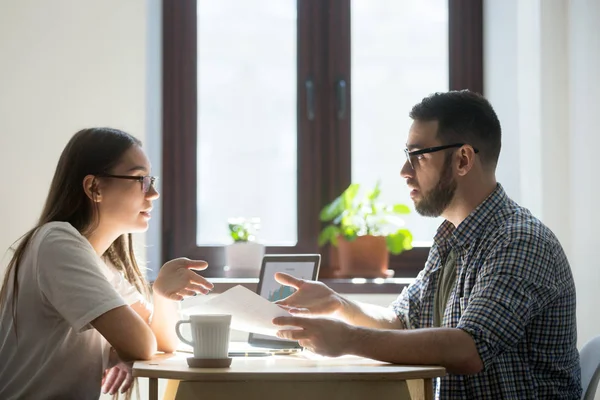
(146, 181)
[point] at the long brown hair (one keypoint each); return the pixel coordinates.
(89, 152)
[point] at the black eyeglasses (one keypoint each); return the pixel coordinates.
(410, 154)
(146, 181)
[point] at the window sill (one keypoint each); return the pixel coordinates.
(351, 286)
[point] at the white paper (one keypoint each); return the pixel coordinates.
(249, 311)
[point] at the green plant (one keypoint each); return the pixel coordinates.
(243, 230)
(352, 217)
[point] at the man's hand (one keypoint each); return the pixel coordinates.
(323, 336)
(311, 298)
(176, 281)
(119, 376)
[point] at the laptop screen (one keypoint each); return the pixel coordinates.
(304, 266)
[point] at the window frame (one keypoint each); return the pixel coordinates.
(324, 143)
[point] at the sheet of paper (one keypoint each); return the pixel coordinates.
(249, 311)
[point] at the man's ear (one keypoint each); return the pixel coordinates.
(466, 160)
(91, 187)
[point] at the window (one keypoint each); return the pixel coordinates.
(246, 118)
(399, 54)
(271, 108)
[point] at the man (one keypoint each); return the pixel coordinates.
(495, 303)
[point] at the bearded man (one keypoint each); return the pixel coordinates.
(495, 302)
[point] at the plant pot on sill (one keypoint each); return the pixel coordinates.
(364, 257)
(245, 256)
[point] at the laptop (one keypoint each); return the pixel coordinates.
(304, 266)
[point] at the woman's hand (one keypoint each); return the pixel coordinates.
(117, 377)
(176, 280)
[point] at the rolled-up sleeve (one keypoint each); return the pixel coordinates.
(408, 304)
(513, 286)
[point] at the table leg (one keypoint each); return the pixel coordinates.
(153, 388)
(171, 389)
(420, 389)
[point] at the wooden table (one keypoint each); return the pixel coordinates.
(295, 377)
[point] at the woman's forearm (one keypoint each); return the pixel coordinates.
(164, 318)
(161, 317)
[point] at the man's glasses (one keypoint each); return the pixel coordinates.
(411, 154)
(146, 181)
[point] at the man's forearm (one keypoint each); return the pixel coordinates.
(370, 315)
(451, 348)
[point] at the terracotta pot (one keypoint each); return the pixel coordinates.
(365, 257)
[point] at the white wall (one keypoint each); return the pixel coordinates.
(542, 59)
(65, 65)
(584, 188)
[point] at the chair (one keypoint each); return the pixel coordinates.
(590, 368)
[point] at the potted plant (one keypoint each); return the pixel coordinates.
(365, 231)
(244, 253)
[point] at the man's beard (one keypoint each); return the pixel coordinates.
(438, 199)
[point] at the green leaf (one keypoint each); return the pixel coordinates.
(374, 194)
(399, 241)
(329, 234)
(332, 210)
(340, 204)
(408, 239)
(350, 194)
(401, 209)
(350, 234)
(239, 232)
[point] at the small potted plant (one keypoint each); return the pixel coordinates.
(244, 253)
(365, 231)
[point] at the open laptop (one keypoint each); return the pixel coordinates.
(304, 266)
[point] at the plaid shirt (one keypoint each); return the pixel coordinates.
(514, 294)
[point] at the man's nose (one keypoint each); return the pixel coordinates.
(407, 171)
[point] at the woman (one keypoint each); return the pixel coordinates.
(74, 305)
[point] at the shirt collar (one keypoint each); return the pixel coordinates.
(474, 224)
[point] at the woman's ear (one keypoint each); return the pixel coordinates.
(91, 188)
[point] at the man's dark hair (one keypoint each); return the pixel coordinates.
(463, 117)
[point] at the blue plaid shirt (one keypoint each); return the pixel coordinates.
(514, 294)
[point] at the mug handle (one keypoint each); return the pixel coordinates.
(179, 335)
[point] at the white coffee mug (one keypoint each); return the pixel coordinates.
(210, 335)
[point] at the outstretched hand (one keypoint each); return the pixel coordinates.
(176, 280)
(311, 298)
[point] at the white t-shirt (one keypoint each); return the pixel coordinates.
(63, 286)
(128, 292)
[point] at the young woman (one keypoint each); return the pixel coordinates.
(74, 305)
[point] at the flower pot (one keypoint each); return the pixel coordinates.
(245, 256)
(364, 257)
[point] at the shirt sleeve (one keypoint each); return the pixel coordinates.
(125, 289)
(514, 285)
(71, 280)
(408, 304)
